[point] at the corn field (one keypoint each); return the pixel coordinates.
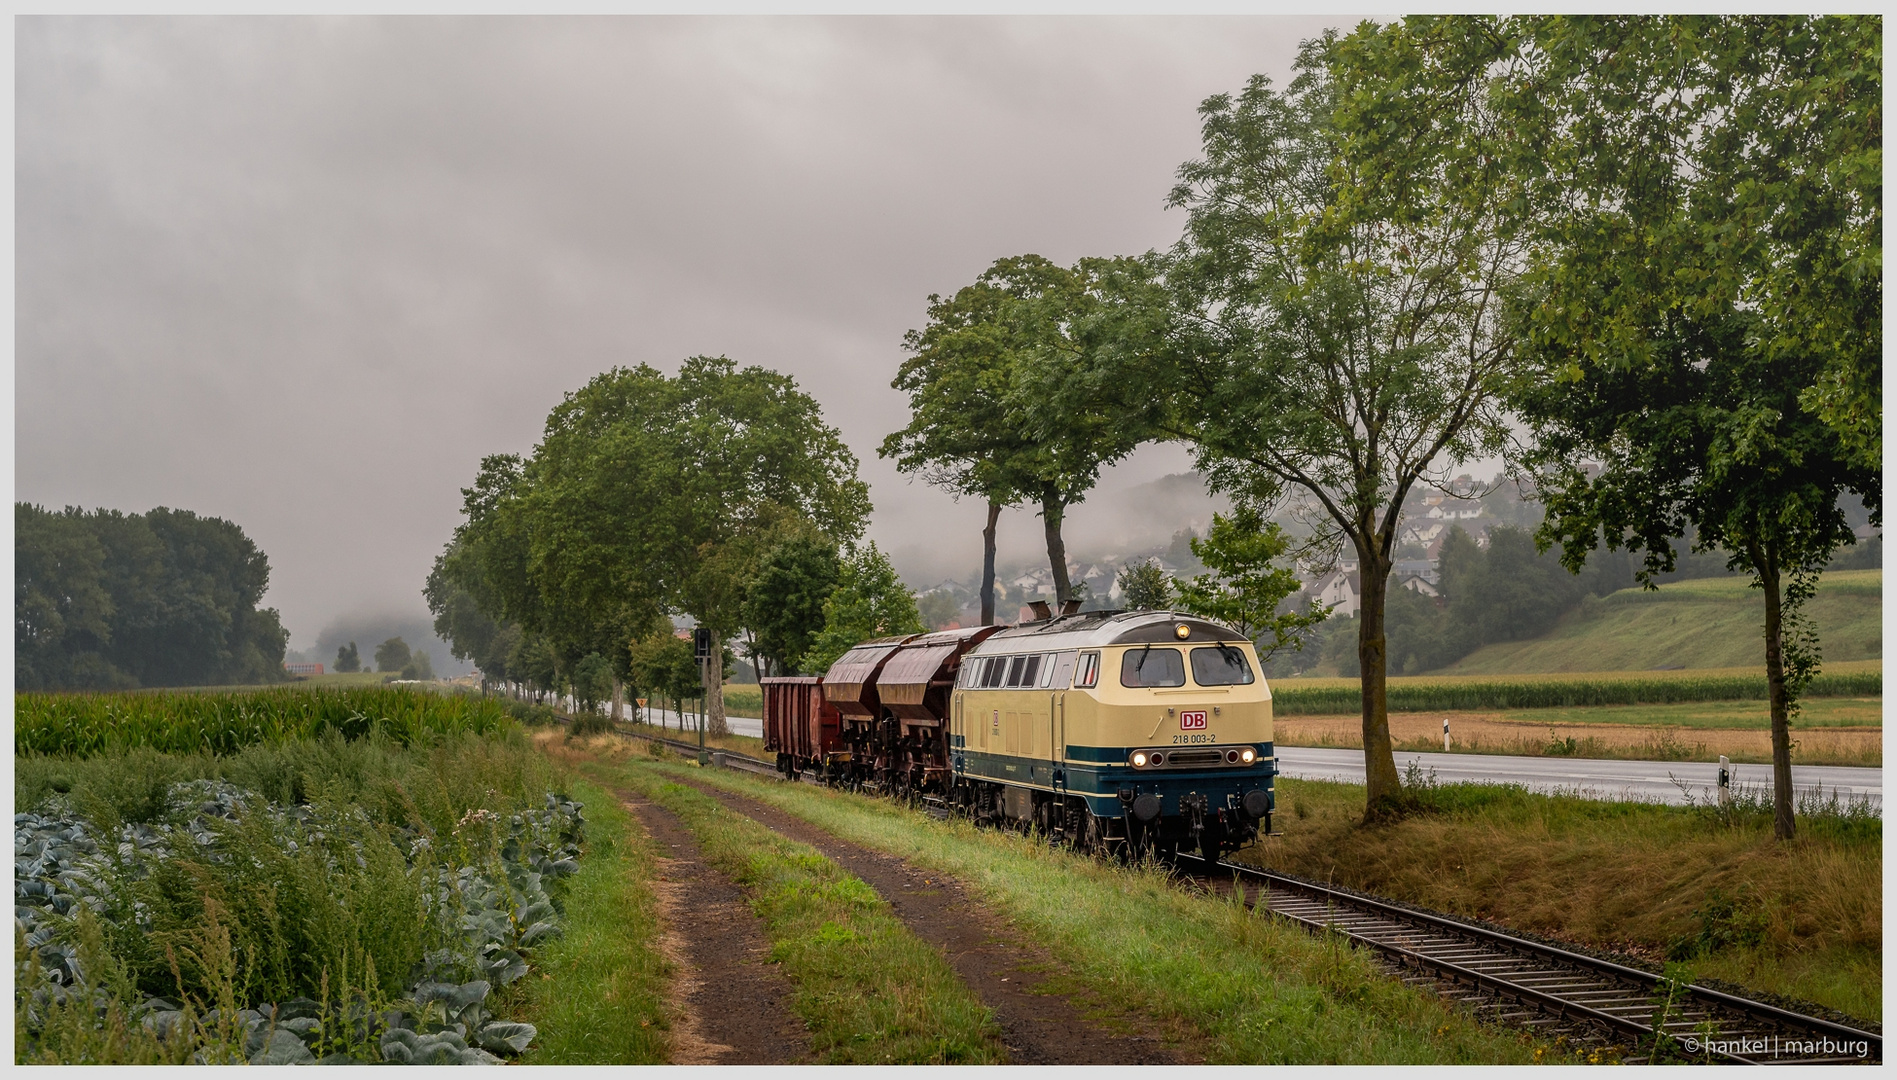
(82, 725)
(1317, 697)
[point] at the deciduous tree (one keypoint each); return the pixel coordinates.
(1706, 305)
(1336, 310)
(870, 601)
(1244, 584)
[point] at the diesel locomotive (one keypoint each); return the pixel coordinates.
(1134, 731)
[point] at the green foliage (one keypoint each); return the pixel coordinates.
(870, 601)
(1547, 692)
(1145, 587)
(348, 659)
(937, 609)
(325, 874)
(1243, 585)
(1709, 267)
(107, 600)
(419, 666)
(662, 665)
(83, 725)
(1508, 591)
(784, 605)
(391, 655)
(592, 681)
(993, 414)
(460, 621)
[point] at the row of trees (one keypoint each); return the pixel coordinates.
(1651, 245)
(718, 494)
(392, 655)
(104, 600)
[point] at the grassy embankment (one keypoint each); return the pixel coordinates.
(1256, 989)
(1803, 919)
(868, 989)
(1703, 623)
(1656, 715)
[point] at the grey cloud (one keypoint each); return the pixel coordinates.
(304, 273)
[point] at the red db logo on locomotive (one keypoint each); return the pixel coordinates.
(1191, 721)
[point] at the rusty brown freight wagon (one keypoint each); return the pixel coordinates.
(801, 727)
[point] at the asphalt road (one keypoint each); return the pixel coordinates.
(1639, 781)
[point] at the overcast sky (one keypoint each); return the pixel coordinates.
(304, 273)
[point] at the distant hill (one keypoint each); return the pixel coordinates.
(1705, 623)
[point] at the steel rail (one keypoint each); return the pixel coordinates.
(1641, 986)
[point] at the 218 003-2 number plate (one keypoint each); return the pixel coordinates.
(1208, 737)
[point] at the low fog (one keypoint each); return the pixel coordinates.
(304, 273)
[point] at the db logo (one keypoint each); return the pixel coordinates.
(1191, 721)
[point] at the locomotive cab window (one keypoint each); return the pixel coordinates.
(1089, 671)
(997, 670)
(1152, 667)
(1222, 665)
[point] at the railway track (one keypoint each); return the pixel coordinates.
(1530, 984)
(1524, 983)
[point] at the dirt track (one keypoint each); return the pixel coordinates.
(1011, 975)
(732, 1008)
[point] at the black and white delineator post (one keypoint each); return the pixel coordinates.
(1445, 734)
(1725, 783)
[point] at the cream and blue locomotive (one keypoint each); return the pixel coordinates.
(1150, 729)
(1146, 730)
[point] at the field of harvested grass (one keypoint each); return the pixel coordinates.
(1803, 919)
(1828, 731)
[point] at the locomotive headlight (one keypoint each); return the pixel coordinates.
(1182, 631)
(1248, 755)
(1139, 759)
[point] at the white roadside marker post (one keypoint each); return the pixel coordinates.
(1445, 734)
(1725, 783)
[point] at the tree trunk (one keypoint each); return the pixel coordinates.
(714, 683)
(1383, 789)
(619, 700)
(1766, 561)
(988, 565)
(1052, 510)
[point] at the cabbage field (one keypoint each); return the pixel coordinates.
(280, 877)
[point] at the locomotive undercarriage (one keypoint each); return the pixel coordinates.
(910, 762)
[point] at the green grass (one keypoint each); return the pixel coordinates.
(1633, 877)
(1435, 693)
(1258, 990)
(598, 998)
(1703, 623)
(188, 722)
(870, 991)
